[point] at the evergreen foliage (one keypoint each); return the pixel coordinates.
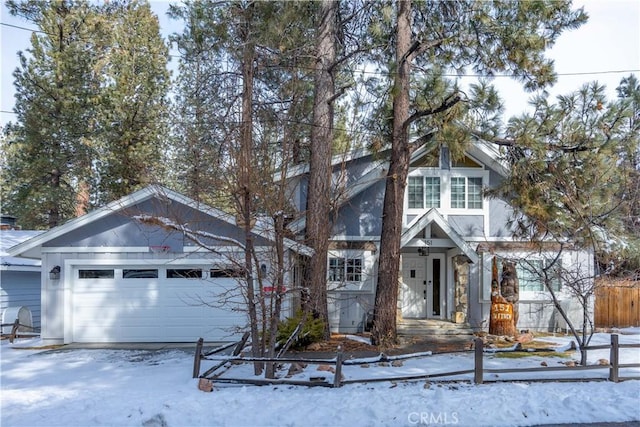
(572, 169)
(312, 330)
(89, 105)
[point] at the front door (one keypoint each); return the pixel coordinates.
(423, 286)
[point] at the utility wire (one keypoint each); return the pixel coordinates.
(382, 73)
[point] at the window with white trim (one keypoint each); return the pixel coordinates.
(466, 192)
(474, 198)
(345, 269)
(531, 277)
(416, 192)
(97, 273)
(458, 192)
(432, 191)
(423, 192)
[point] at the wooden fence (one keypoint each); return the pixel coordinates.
(617, 306)
(16, 332)
(478, 370)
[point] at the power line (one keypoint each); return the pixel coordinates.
(382, 73)
(23, 28)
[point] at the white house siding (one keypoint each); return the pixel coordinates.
(348, 311)
(21, 289)
(59, 326)
(349, 302)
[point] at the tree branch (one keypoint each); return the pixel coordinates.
(449, 102)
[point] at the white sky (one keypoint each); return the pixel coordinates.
(605, 49)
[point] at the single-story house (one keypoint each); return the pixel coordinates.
(20, 279)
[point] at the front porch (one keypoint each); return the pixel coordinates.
(433, 296)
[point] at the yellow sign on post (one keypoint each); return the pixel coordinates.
(501, 311)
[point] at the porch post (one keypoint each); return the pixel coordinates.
(461, 283)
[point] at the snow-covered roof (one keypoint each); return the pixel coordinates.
(10, 238)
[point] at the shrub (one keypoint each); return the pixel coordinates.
(312, 330)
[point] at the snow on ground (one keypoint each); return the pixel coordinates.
(155, 388)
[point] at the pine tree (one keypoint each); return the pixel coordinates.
(132, 110)
(240, 98)
(48, 150)
(436, 36)
(573, 173)
(90, 108)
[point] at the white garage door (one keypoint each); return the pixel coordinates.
(155, 304)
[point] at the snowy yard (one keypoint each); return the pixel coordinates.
(155, 388)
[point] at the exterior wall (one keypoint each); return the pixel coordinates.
(350, 302)
(362, 216)
(348, 311)
(120, 230)
(475, 316)
(21, 288)
(467, 225)
(55, 293)
(499, 215)
(536, 310)
(344, 175)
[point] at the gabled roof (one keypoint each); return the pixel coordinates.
(485, 152)
(433, 216)
(303, 168)
(369, 178)
(34, 244)
(10, 238)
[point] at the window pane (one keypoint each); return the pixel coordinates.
(432, 192)
(226, 272)
(416, 192)
(458, 191)
(184, 273)
(556, 281)
(96, 274)
(354, 269)
(139, 274)
(475, 193)
(336, 269)
(528, 276)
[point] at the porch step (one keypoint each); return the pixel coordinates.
(429, 327)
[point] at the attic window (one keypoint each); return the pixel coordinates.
(465, 162)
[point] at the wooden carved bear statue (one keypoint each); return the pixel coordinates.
(510, 289)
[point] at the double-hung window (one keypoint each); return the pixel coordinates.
(345, 269)
(458, 192)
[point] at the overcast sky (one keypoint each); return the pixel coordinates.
(605, 49)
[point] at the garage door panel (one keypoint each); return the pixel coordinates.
(153, 310)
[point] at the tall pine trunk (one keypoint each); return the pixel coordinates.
(386, 301)
(319, 195)
(245, 193)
